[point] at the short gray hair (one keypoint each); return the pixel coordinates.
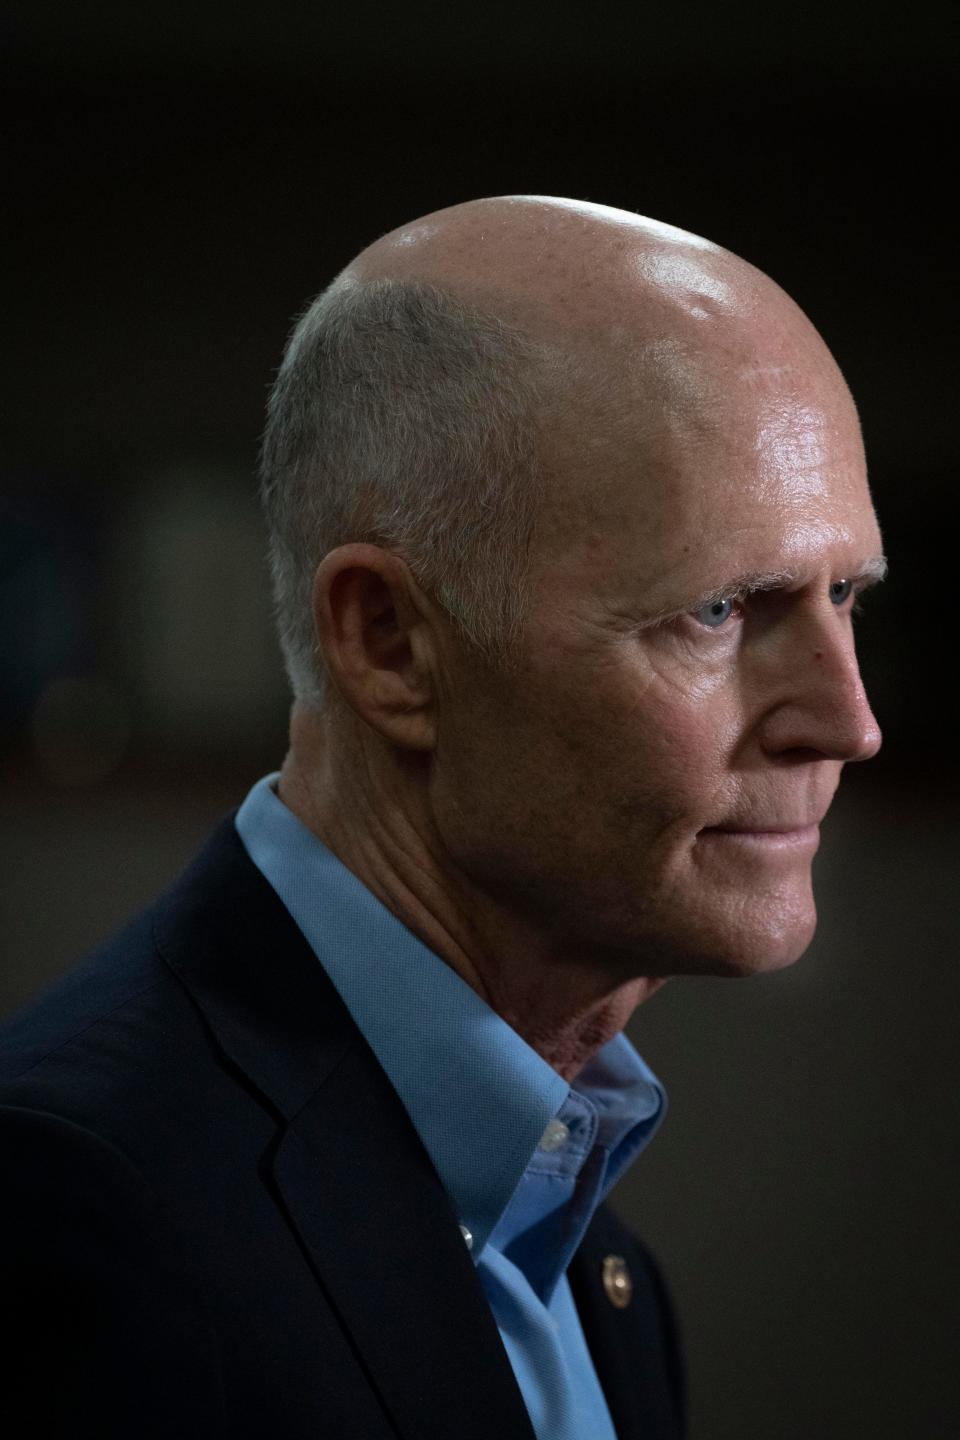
(402, 417)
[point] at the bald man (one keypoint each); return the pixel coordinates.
(568, 515)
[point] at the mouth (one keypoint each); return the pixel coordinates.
(772, 837)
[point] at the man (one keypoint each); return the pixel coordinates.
(568, 515)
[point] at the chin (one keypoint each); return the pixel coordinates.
(741, 909)
(761, 940)
(765, 948)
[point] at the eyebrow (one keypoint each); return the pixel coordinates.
(870, 573)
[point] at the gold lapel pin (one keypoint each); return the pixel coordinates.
(617, 1282)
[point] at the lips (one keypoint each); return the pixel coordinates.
(789, 829)
(769, 825)
(770, 838)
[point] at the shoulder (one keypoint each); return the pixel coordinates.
(182, 1038)
(92, 1042)
(107, 982)
(118, 1041)
(110, 1090)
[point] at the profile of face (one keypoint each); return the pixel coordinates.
(646, 787)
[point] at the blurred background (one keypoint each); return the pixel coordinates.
(179, 180)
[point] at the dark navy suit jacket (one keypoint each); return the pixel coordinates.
(217, 1220)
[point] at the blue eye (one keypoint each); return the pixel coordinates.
(714, 613)
(840, 591)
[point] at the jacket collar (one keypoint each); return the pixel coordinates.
(358, 1186)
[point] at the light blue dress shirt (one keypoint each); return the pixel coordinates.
(525, 1157)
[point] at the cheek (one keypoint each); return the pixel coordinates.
(589, 748)
(673, 746)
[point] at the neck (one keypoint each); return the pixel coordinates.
(374, 819)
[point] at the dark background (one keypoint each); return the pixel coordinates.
(177, 183)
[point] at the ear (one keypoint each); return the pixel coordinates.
(376, 630)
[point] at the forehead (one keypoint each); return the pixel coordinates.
(688, 475)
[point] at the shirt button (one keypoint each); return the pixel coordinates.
(467, 1237)
(555, 1135)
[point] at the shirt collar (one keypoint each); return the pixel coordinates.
(478, 1095)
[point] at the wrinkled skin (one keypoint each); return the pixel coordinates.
(640, 796)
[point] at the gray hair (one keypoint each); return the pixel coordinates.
(404, 418)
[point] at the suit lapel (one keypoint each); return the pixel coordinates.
(388, 1251)
(356, 1182)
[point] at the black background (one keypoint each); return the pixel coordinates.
(178, 182)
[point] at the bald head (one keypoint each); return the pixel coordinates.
(489, 369)
(571, 271)
(662, 326)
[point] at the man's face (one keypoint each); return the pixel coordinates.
(646, 789)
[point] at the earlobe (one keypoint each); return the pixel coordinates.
(376, 643)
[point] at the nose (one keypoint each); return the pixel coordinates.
(818, 702)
